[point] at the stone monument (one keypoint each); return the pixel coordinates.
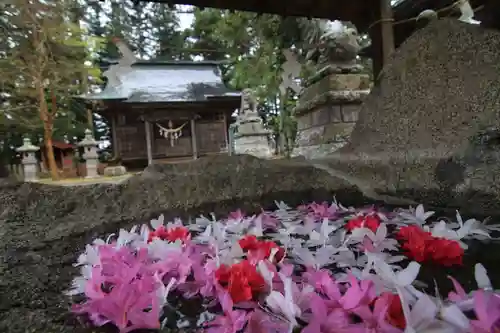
(330, 101)
(90, 154)
(251, 137)
(29, 161)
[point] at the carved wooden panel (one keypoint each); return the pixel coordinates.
(163, 148)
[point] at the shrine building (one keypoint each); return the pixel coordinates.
(167, 111)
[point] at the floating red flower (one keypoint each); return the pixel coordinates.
(422, 246)
(249, 242)
(242, 281)
(394, 315)
(170, 234)
(371, 222)
(446, 252)
(259, 250)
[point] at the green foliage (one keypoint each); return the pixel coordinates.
(166, 33)
(45, 47)
(73, 57)
(253, 45)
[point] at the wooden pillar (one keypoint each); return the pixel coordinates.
(387, 29)
(382, 37)
(114, 137)
(147, 127)
(226, 131)
(376, 53)
(193, 139)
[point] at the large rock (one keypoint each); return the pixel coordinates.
(430, 131)
(43, 228)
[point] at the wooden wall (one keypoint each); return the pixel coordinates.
(130, 136)
(211, 135)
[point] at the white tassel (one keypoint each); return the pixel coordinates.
(467, 12)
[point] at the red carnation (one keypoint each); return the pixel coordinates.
(266, 248)
(170, 234)
(371, 222)
(422, 246)
(242, 281)
(249, 242)
(446, 252)
(395, 315)
(260, 250)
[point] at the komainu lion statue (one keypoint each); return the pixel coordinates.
(338, 44)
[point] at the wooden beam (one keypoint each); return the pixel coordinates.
(147, 127)
(166, 115)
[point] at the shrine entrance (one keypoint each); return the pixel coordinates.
(167, 111)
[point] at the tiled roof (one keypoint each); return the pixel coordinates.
(165, 82)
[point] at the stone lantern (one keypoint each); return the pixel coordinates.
(89, 146)
(29, 161)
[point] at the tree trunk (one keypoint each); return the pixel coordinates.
(47, 130)
(90, 119)
(47, 135)
(285, 124)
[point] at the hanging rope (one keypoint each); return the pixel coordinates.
(171, 133)
(411, 19)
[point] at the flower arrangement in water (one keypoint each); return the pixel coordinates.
(320, 268)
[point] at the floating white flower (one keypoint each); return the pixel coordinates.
(417, 216)
(284, 303)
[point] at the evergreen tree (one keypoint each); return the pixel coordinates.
(170, 42)
(140, 14)
(119, 24)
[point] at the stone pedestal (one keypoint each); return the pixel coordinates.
(327, 112)
(90, 154)
(251, 137)
(256, 144)
(29, 161)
